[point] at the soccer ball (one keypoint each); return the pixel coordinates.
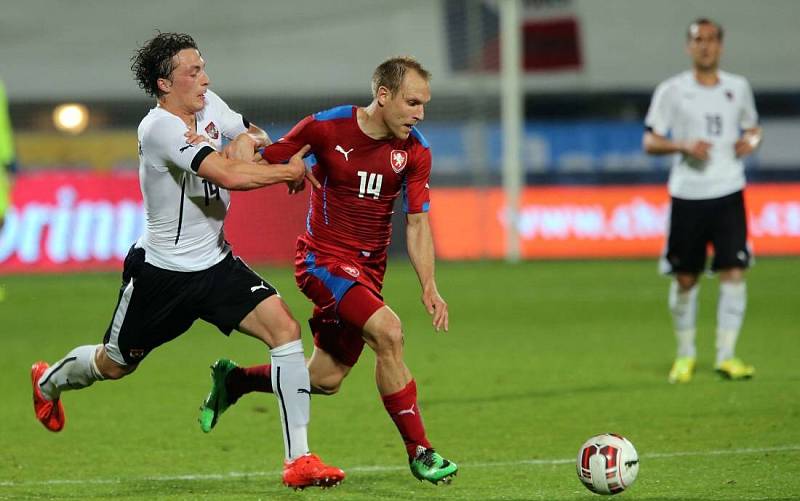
(607, 463)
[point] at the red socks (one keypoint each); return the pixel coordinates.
(247, 379)
(402, 408)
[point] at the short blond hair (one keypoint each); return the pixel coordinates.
(390, 73)
(703, 20)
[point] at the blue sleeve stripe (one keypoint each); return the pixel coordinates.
(417, 134)
(425, 206)
(344, 111)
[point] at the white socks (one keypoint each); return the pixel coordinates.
(75, 371)
(292, 387)
(683, 305)
(731, 306)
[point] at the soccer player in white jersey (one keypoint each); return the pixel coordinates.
(182, 269)
(706, 118)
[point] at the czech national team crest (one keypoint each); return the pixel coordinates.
(212, 131)
(398, 160)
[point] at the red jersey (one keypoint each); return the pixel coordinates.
(361, 177)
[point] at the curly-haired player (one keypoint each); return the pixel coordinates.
(182, 269)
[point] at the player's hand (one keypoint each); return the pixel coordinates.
(697, 149)
(437, 307)
(745, 146)
(241, 148)
(193, 137)
(312, 179)
(302, 174)
(301, 185)
(297, 187)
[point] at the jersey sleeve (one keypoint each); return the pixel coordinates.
(749, 116)
(165, 144)
(660, 114)
(232, 123)
(416, 191)
(302, 133)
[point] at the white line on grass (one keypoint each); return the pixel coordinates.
(379, 468)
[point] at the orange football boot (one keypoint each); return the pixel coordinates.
(308, 471)
(49, 412)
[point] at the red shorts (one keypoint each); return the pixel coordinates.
(345, 292)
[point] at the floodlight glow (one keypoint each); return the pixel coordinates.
(71, 117)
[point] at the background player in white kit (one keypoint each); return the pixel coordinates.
(182, 269)
(713, 123)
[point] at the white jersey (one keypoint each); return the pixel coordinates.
(716, 114)
(184, 212)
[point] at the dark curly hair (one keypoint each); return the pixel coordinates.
(153, 60)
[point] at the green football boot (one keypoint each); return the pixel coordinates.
(217, 400)
(429, 465)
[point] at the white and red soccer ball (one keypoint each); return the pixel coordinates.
(607, 464)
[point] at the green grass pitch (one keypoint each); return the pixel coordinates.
(539, 357)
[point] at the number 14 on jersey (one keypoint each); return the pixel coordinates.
(370, 184)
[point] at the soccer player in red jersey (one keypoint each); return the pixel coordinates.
(364, 159)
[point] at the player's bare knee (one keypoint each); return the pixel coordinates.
(110, 369)
(280, 333)
(389, 339)
(289, 331)
(686, 281)
(733, 275)
(116, 372)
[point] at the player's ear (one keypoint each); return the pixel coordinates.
(382, 95)
(164, 85)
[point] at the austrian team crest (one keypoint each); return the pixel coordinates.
(398, 160)
(212, 131)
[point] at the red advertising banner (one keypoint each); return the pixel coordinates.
(75, 221)
(597, 221)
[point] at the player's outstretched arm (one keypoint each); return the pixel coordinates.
(420, 250)
(242, 175)
(242, 147)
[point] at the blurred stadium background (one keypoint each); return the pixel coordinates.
(588, 71)
(541, 355)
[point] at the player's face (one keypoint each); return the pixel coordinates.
(189, 80)
(407, 107)
(704, 46)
